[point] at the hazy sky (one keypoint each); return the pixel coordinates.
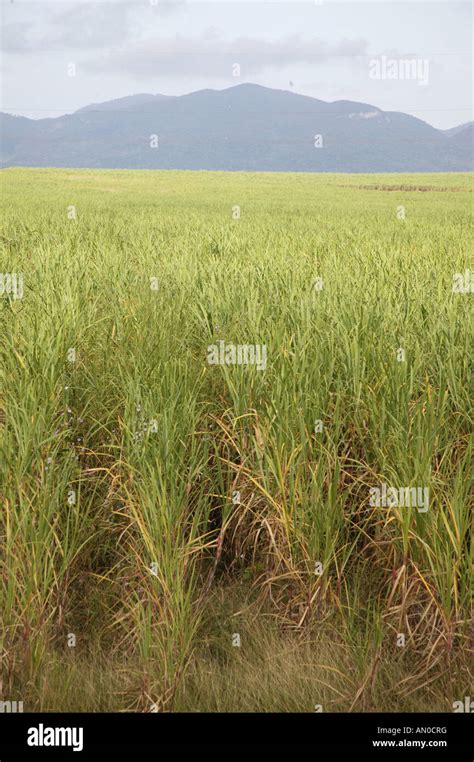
(152, 46)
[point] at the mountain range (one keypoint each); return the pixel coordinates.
(246, 127)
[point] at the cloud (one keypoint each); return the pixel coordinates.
(15, 37)
(210, 56)
(83, 26)
(90, 26)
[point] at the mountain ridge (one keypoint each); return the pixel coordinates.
(245, 127)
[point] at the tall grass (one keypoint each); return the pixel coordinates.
(120, 523)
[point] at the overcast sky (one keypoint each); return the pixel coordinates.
(152, 46)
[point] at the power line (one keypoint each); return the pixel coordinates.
(85, 110)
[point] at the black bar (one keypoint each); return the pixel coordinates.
(442, 734)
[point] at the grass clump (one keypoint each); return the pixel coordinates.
(150, 499)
